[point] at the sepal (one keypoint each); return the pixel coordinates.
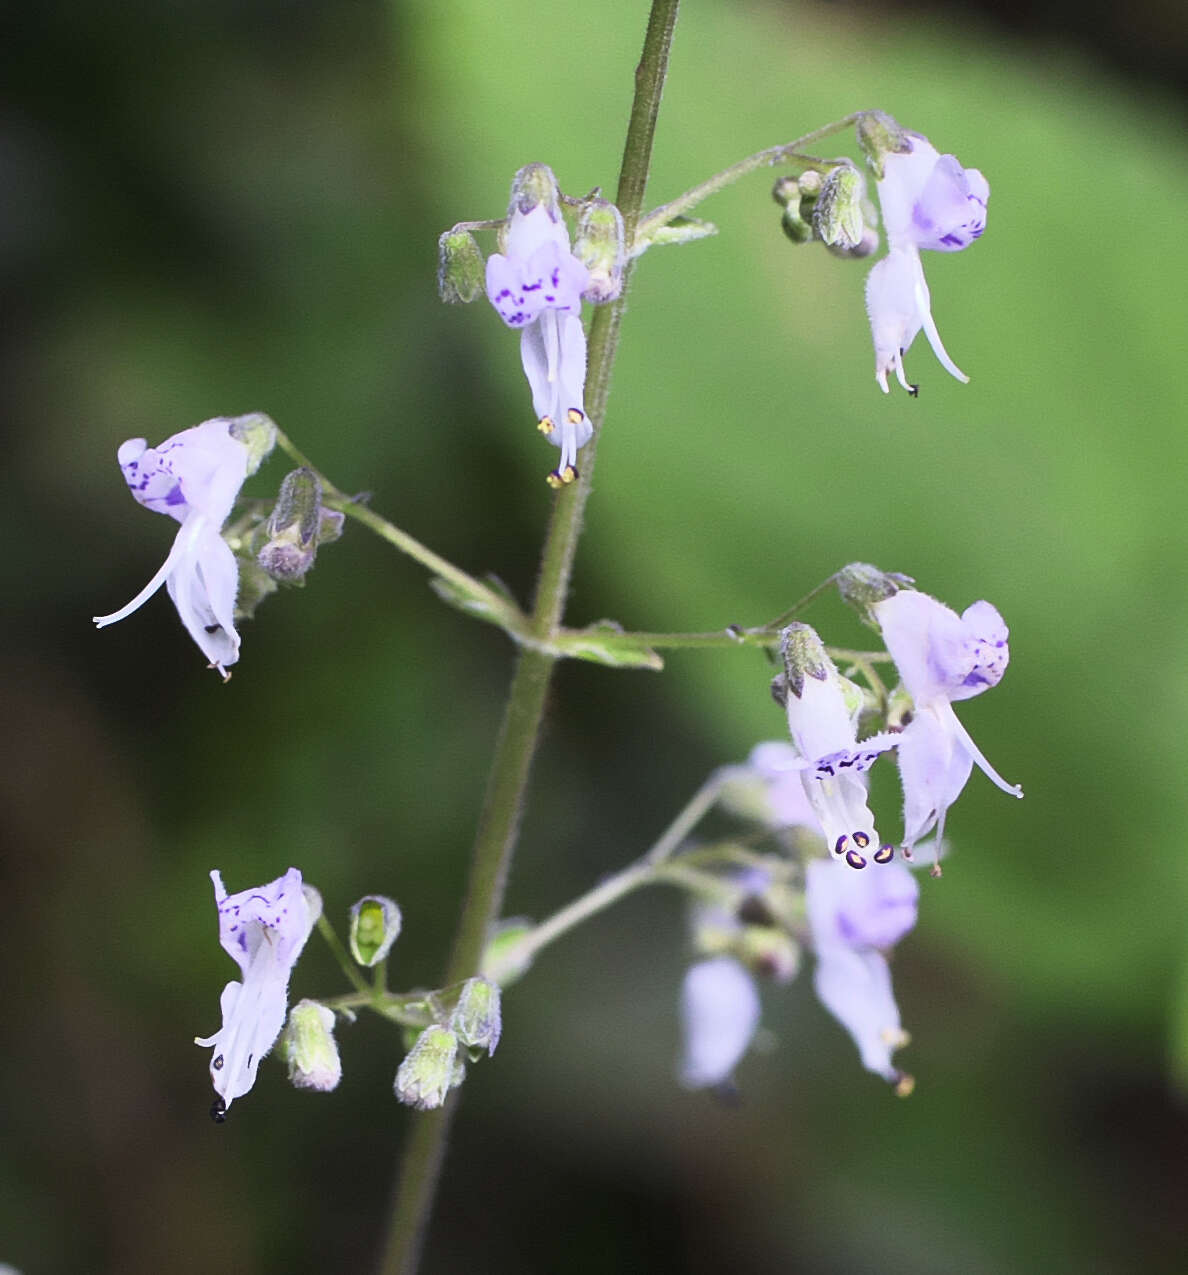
(309, 1047)
(429, 1070)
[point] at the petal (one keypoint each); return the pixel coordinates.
(950, 212)
(905, 175)
(933, 768)
(719, 1015)
(541, 358)
(871, 909)
(281, 907)
(939, 654)
(209, 465)
(892, 305)
(529, 232)
(203, 586)
(183, 544)
(855, 987)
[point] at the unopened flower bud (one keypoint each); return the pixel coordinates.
(804, 655)
(476, 1019)
(429, 1070)
(795, 226)
(375, 926)
(257, 432)
(879, 134)
(460, 266)
(600, 246)
(309, 1046)
(786, 191)
(837, 216)
(861, 585)
(769, 950)
(296, 526)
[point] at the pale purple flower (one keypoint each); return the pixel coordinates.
(263, 930)
(768, 787)
(195, 477)
(854, 917)
(941, 657)
(536, 286)
(719, 1018)
(824, 727)
(928, 201)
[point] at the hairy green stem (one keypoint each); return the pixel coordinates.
(498, 824)
(790, 151)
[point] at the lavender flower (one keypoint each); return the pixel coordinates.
(719, 1017)
(928, 201)
(536, 285)
(195, 477)
(853, 917)
(941, 657)
(823, 712)
(263, 930)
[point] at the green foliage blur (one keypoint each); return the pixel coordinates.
(232, 207)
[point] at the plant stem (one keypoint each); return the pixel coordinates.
(499, 821)
(761, 159)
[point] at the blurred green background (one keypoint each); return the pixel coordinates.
(218, 208)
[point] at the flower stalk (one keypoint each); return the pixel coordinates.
(507, 783)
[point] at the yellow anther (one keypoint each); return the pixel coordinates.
(547, 425)
(574, 416)
(568, 474)
(554, 480)
(561, 477)
(904, 1085)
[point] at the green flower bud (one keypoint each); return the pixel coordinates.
(258, 434)
(600, 246)
(837, 217)
(296, 526)
(795, 226)
(786, 191)
(309, 1047)
(880, 134)
(430, 1070)
(375, 926)
(476, 1019)
(461, 271)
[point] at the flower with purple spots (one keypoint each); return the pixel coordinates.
(823, 709)
(194, 477)
(263, 930)
(536, 286)
(928, 201)
(941, 657)
(854, 917)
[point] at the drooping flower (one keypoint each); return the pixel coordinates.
(823, 709)
(941, 657)
(263, 930)
(928, 201)
(854, 917)
(719, 1017)
(536, 285)
(195, 477)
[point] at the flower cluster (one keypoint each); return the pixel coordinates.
(857, 898)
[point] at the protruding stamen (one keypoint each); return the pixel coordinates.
(559, 478)
(547, 425)
(854, 859)
(884, 854)
(839, 846)
(574, 416)
(936, 872)
(861, 840)
(904, 1084)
